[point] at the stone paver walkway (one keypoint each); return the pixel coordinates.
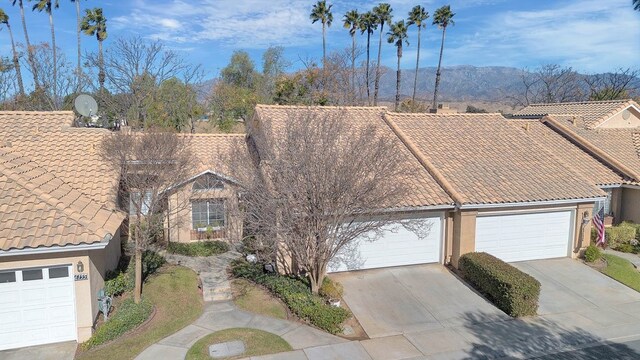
(632, 258)
(212, 271)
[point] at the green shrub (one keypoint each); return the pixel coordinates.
(200, 248)
(511, 290)
(625, 248)
(592, 253)
(620, 234)
(123, 279)
(295, 293)
(331, 289)
(126, 317)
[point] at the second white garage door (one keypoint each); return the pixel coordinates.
(519, 237)
(417, 243)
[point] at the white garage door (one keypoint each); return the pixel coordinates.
(522, 237)
(415, 242)
(37, 306)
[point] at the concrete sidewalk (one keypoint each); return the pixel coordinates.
(632, 258)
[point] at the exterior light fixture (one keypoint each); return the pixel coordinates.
(585, 218)
(80, 266)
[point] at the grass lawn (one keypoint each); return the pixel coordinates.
(251, 297)
(257, 342)
(622, 271)
(174, 292)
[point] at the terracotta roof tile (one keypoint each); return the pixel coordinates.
(621, 144)
(213, 150)
(588, 114)
(488, 161)
(570, 154)
(32, 218)
(425, 189)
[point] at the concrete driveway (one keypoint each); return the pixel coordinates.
(568, 286)
(393, 301)
(58, 351)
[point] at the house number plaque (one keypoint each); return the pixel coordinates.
(80, 277)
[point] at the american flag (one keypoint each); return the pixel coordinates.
(598, 222)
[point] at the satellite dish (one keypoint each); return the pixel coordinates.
(85, 105)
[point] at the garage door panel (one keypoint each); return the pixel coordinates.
(36, 312)
(519, 237)
(395, 246)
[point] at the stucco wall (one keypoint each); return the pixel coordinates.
(631, 205)
(179, 214)
(618, 121)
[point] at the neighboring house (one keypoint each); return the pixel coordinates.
(482, 184)
(599, 139)
(59, 228)
(205, 207)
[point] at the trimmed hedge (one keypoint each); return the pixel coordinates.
(618, 235)
(295, 293)
(511, 290)
(200, 248)
(592, 253)
(127, 316)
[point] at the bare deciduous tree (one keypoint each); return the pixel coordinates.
(620, 84)
(322, 184)
(550, 83)
(150, 165)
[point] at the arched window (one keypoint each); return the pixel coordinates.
(208, 182)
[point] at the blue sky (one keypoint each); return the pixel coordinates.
(589, 35)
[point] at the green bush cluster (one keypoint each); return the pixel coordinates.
(331, 289)
(618, 235)
(123, 279)
(511, 290)
(126, 317)
(592, 253)
(200, 248)
(295, 293)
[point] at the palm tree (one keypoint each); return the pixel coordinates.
(321, 12)
(352, 22)
(79, 69)
(636, 5)
(47, 6)
(443, 18)
(368, 23)
(94, 23)
(4, 19)
(417, 16)
(383, 14)
(398, 35)
(30, 59)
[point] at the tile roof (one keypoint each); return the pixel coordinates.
(589, 114)
(569, 153)
(213, 151)
(621, 144)
(488, 161)
(64, 155)
(425, 189)
(38, 209)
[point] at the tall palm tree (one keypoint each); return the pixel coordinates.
(368, 23)
(397, 36)
(383, 14)
(321, 12)
(636, 5)
(352, 22)
(48, 6)
(442, 18)
(94, 23)
(79, 31)
(32, 63)
(4, 19)
(417, 17)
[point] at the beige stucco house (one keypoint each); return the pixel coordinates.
(599, 139)
(206, 206)
(479, 183)
(59, 228)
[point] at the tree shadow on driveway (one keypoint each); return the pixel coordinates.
(535, 337)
